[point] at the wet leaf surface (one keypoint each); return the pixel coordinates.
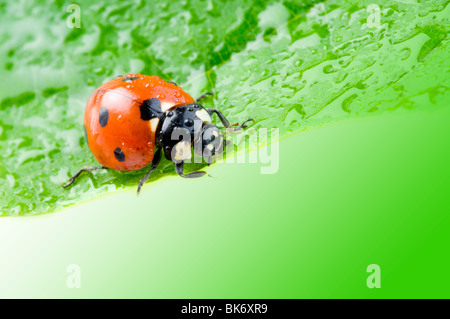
(289, 64)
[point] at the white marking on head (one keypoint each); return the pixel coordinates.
(153, 124)
(203, 115)
(182, 151)
(166, 106)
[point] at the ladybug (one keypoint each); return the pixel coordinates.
(130, 120)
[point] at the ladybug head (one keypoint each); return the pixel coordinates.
(209, 142)
(186, 126)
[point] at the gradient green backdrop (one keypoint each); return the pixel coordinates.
(368, 191)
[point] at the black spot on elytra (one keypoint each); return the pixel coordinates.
(130, 78)
(103, 116)
(120, 156)
(150, 109)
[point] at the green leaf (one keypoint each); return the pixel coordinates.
(288, 64)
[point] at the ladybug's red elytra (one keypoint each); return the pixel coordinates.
(128, 122)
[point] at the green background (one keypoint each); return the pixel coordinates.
(348, 195)
(363, 173)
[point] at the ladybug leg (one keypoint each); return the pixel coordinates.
(243, 125)
(179, 168)
(222, 117)
(201, 97)
(238, 128)
(83, 169)
(225, 122)
(155, 162)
